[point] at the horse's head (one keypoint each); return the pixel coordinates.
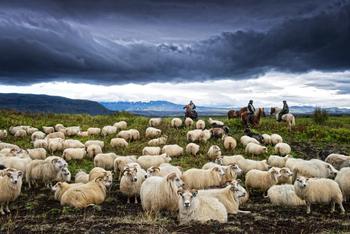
(273, 110)
(263, 112)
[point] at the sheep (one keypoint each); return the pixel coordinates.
(83, 134)
(230, 143)
(226, 160)
(284, 195)
(97, 172)
(286, 176)
(219, 132)
(336, 160)
(214, 152)
(128, 135)
(20, 133)
(154, 122)
(267, 139)
(105, 161)
(10, 186)
(37, 153)
(4, 145)
(8, 152)
(243, 195)
(200, 179)
(311, 168)
(93, 150)
(192, 149)
(72, 131)
(215, 123)
(200, 124)
(152, 132)
(158, 193)
(151, 150)
(119, 143)
(59, 127)
(230, 172)
(188, 122)
(158, 141)
(247, 164)
(176, 122)
(94, 142)
(194, 135)
(275, 139)
(18, 163)
(82, 196)
(61, 187)
(205, 136)
(40, 143)
(121, 125)
(255, 149)
(277, 161)
(55, 135)
(31, 130)
(148, 161)
(261, 180)
(70, 143)
(120, 163)
(48, 130)
(164, 169)
(282, 149)
(3, 133)
(94, 131)
(63, 175)
(81, 177)
(245, 140)
(74, 153)
(108, 130)
(131, 181)
(193, 207)
(172, 150)
(37, 135)
(55, 144)
(342, 179)
(319, 190)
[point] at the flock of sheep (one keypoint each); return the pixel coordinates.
(208, 193)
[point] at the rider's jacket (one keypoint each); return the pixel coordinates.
(251, 108)
(285, 108)
(193, 106)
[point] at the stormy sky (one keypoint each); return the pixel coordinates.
(214, 52)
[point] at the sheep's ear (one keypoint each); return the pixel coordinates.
(171, 176)
(215, 169)
(55, 160)
(8, 174)
(180, 192)
(20, 173)
(307, 179)
(156, 168)
(194, 192)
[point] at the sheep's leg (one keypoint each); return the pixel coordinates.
(7, 207)
(136, 201)
(308, 207)
(2, 209)
(128, 200)
(341, 208)
(332, 206)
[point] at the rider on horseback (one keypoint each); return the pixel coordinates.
(190, 110)
(285, 110)
(251, 111)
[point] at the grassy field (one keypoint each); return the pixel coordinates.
(36, 211)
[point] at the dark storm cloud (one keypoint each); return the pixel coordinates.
(38, 44)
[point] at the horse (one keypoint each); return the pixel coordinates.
(231, 114)
(190, 113)
(256, 120)
(288, 118)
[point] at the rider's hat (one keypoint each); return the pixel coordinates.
(284, 101)
(250, 101)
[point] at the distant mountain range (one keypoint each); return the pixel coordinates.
(50, 104)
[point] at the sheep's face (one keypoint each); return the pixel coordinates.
(222, 170)
(187, 197)
(66, 175)
(302, 182)
(236, 169)
(285, 172)
(275, 173)
(56, 187)
(218, 171)
(131, 174)
(152, 171)
(219, 160)
(59, 163)
(14, 176)
(332, 172)
(108, 179)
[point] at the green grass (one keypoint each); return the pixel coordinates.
(334, 133)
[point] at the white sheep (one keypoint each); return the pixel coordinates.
(193, 207)
(343, 181)
(3, 134)
(61, 187)
(230, 143)
(214, 152)
(94, 142)
(121, 125)
(284, 195)
(153, 150)
(48, 130)
(105, 161)
(97, 172)
(205, 136)
(200, 124)
(261, 180)
(135, 134)
(55, 135)
(188, 122)
(200, 179)
(255, 149)
(121, 162)
(31, 130)
(70, 143)
(74, 153)
(154, 122)
(192, 149)
(59, 127)
(229, 172)
(18, 163)
(148, 161)
(129, 135)
(286, 175)
(40, 143)
(93, 150)
(275, 139)
(246, 164)
(152, 132)
(119, 143)
(158, 141)
(72, 131)
(164, 169)
(37, 135)
(108, 130)
(319, 190)
(10, 186)
(131, 181)
(81, 177)
(194, 135)
(172, 150)
(267, 139)
(4, 145)
(245, 140)
(94, 131)
(337, 160)
(159, 193)
(83, 134)
(215, 122)
(37, 153)
(176, 122)
(277, 161)
(282, 149)
(20, 133)
(55, 144)
(311, 168)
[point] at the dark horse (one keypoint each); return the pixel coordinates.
(231, 114)
(190, 113)
(255, 121)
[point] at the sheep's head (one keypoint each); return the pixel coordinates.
(152, 171)
(14, 176)
(65, 174)
(58, 186)
(218, 170)
(131, 174)
(59, 163)
(172, 177)
(219, 160)
(187, 196)
(108, 178)
(236, 169)
(286, 172)
(275, 174)
(332, 172)
(301, 182)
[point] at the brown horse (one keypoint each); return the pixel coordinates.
(190, 113)
(256, 120)
(231, 114)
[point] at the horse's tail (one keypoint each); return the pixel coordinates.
(293, 121)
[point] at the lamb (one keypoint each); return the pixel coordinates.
(74, 153)
(194, 135)
(200, 208)
(200, 124)
(284, 195)
(97, 172)
(188, 122)
(277, 161)
(200, 179)
(59, 127)
(55, 144)
(61, 187)
(255, 149)
(108, 130)
(55, 135)
(261, 180)
(336, 160)
(158, 141)
(214, 152)
(121, 162)
(245, 140)
(94, 142)
(154, 122)
(94, 192)
(121, 125)
(48, 130)
(3, 134)
(41, 143)
(72, 131)
(20, 133)
(18, 163)
(230, 143)
(119, 143)
(105, 161)
(192, 149)
(205, 136)
(159, 193)
(172, 150)
(148, 161)
(81, 177)
(215, 123)
(131, 181)
(282, 149)
(37, 153)
(164, 169)
(152, 132)
(93, 150)
(151, 150)
(176, 122)
(309, 190)
(342, 179)
(267, 139)
(37, 135)
(275, 139)
(286, 176)
(70, 143)
(311, 168)
(10, 186)
(94, 131)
